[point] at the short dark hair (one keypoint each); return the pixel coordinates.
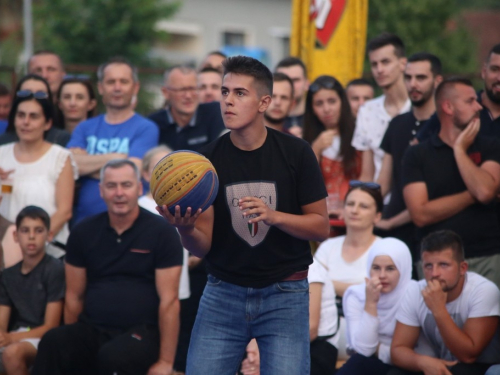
(4, 91)
(447, 84)
(87, 84)
(33, 212)
(249, 66)
(387, 39)
(117, 60)
(376, 194)
(282, 77)
(46, 52)
(292, 61)
(359, 82)
(443, 240)
(494, 50)
(436, 67)
(47, 104)
(209, 69)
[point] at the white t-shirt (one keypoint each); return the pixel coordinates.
(328, 317)
(329, 254)
(479, 298)
(184, 290)
(371, 124)
(35, 183)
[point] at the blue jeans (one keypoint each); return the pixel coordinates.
(229, 316)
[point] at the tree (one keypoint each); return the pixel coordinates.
(426, 25)
(92, 31)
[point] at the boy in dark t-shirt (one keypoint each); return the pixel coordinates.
(31, 293)
(271, 201)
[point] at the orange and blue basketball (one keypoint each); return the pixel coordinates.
(184, 178)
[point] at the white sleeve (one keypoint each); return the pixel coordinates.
(484, 301)
(360, 139)
(408, 308)
(317, 273)
(362, 328)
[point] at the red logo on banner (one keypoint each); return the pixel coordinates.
(326, 14)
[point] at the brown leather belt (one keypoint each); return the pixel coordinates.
(299, 275)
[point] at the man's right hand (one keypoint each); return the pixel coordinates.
(185, 223)
(436, 366)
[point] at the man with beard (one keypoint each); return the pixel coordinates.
(281, 104)
(450, 179)
(422, 76)
(457, 311)
(489, 98)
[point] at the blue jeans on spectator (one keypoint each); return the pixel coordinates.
(229, 316)
(493, 370)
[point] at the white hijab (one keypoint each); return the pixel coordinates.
(388, 303)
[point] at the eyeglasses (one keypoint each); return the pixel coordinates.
(328, 85)
(368, 185)
(29, 93)
(183, 90)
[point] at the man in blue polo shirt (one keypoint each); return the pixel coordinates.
(119, 133)
(185, 124)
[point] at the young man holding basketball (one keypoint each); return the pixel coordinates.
(271, 202)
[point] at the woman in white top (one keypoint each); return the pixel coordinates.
(149, 161)
(370, 308)
(40, 173)
(345, 257)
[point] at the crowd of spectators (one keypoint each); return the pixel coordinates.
(413, 177)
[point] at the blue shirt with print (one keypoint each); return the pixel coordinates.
(133, 137)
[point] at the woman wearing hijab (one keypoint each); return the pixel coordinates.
(370, 308)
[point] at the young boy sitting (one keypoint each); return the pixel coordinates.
(31, 293)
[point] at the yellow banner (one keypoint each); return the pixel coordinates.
(330, 37)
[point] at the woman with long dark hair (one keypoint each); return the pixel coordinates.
(329, 127)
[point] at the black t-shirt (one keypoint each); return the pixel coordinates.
(285, 174)
(121, 290)
(401, 130)
(433, 162)
(292, 121)
(28, 294)
(206, 127)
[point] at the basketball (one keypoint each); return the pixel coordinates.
(184, 178)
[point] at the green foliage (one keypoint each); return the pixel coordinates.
(426, 25)
(91, 31)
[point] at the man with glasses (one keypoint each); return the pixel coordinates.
(185, 124)
(119, 133)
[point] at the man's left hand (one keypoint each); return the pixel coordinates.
(254, 206)
(161, 368)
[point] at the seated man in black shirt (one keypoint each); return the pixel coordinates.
(450, 179)
(122, 274)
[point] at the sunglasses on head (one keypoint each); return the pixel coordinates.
(368, 185)
(315, 87)
(29, 93)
